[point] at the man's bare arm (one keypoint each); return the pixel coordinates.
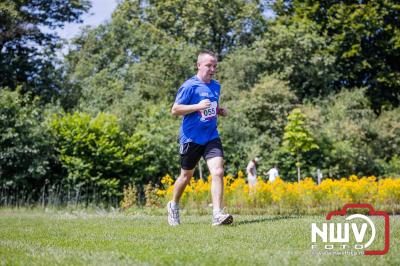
(184, 109)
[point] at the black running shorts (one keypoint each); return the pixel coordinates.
(191, 152)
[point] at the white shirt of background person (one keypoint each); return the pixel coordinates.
(273, 174)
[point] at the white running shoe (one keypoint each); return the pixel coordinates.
(173, 215)
(222, 218)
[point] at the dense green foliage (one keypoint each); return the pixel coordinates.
(108, 101)
(362, 36)
(27, 53)
(216, 25)
(94, 151)
(26, 155)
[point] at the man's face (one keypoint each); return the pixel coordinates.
(207, 66)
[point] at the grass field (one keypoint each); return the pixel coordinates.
(38, 237)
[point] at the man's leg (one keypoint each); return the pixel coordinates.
(181, 183)
(216, 167)
(179, 187)
(190, 156)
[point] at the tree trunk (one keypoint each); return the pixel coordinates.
(200, 170)
(298, 174)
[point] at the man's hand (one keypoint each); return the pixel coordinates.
(204, 104)
(223, 111)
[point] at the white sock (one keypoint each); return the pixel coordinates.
(216, 211)
(174, 205)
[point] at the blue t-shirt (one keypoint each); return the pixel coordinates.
(199, 127)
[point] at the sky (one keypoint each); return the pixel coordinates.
(101, 11)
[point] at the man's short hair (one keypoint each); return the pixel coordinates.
(205, 52)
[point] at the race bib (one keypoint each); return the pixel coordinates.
(210, 112)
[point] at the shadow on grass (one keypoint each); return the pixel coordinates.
(265, 219)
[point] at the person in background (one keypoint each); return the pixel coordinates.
(251, 170)
(273, 173)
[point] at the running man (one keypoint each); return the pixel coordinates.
(197, 101)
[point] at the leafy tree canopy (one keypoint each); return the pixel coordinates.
(364, 38)
(27, 53)
(216, 25)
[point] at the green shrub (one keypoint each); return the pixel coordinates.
(95, 153)
(25, 150)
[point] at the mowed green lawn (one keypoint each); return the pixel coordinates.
(88, 238)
